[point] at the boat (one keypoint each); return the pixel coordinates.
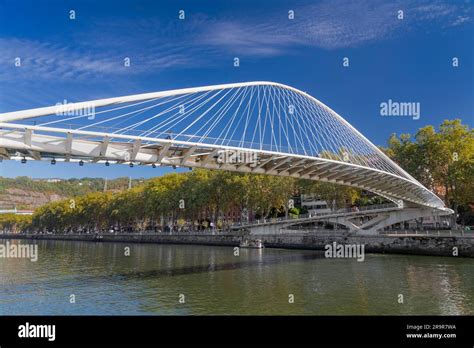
(252, 243)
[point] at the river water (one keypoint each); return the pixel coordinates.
(190, 279)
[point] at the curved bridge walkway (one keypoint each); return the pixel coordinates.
(251, 127)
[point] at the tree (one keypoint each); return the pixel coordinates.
(441, 160)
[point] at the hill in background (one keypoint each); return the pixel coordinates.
(29, 193)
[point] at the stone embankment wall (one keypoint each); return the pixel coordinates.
(418, 245)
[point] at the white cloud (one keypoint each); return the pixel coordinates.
(153, 44)
(332, 25)
(49, 61)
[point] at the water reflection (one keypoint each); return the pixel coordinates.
(215, 281)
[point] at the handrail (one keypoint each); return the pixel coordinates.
(309, 216)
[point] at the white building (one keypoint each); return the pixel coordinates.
(314, 204)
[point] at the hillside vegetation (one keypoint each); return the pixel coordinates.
(27, 193)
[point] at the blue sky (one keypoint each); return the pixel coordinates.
(406, 60)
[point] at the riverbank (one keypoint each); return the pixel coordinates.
(463, 246)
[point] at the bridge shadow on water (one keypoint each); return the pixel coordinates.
(173, 272)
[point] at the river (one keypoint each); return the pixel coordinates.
(191, 279)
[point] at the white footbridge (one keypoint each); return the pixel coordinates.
(251, 127)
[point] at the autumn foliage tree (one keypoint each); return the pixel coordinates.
(442, 160)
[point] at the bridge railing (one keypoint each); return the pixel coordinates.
(314, 215)
(245, 145)
(269, 220)
(429, 233)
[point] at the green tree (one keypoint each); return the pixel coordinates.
(441, 160)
